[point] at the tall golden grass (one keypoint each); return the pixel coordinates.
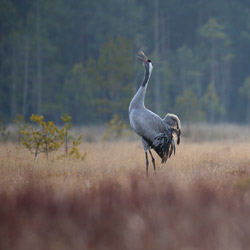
(216, 162)
(199, 199)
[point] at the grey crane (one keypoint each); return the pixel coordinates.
(156, 133)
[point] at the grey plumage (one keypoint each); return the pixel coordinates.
(156, 133)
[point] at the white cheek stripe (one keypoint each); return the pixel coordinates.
(150, 67)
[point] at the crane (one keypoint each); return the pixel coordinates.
(155, 133)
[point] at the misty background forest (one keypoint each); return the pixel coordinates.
(79, 57)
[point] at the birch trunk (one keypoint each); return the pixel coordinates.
(39, 60)
(13, 87)
(156, 43)
(26, 76)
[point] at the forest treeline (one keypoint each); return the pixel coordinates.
(79, 57)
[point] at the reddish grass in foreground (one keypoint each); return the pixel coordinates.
(147, 214)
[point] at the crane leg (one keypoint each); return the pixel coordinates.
(153, 160)
(146, 154)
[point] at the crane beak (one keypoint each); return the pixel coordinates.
(143, 60)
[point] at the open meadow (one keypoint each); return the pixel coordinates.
(75, 80)
(199, 199)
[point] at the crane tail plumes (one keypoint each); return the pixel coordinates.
(174, 122)
(172, 147)
(164, 145)
(178, 137)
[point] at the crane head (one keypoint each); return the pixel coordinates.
(148, 64)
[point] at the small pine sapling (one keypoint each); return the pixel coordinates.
(74, 151)
(66, 119)
(116, 128)
(45, 137)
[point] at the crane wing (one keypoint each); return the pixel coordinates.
(153, 132)
(146, 124)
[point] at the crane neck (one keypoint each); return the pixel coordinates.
(138, 99)
(146, 78)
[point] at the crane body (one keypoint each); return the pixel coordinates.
(155, 132)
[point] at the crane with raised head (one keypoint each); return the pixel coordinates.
(156, 133)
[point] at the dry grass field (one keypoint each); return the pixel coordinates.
(200, 199)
